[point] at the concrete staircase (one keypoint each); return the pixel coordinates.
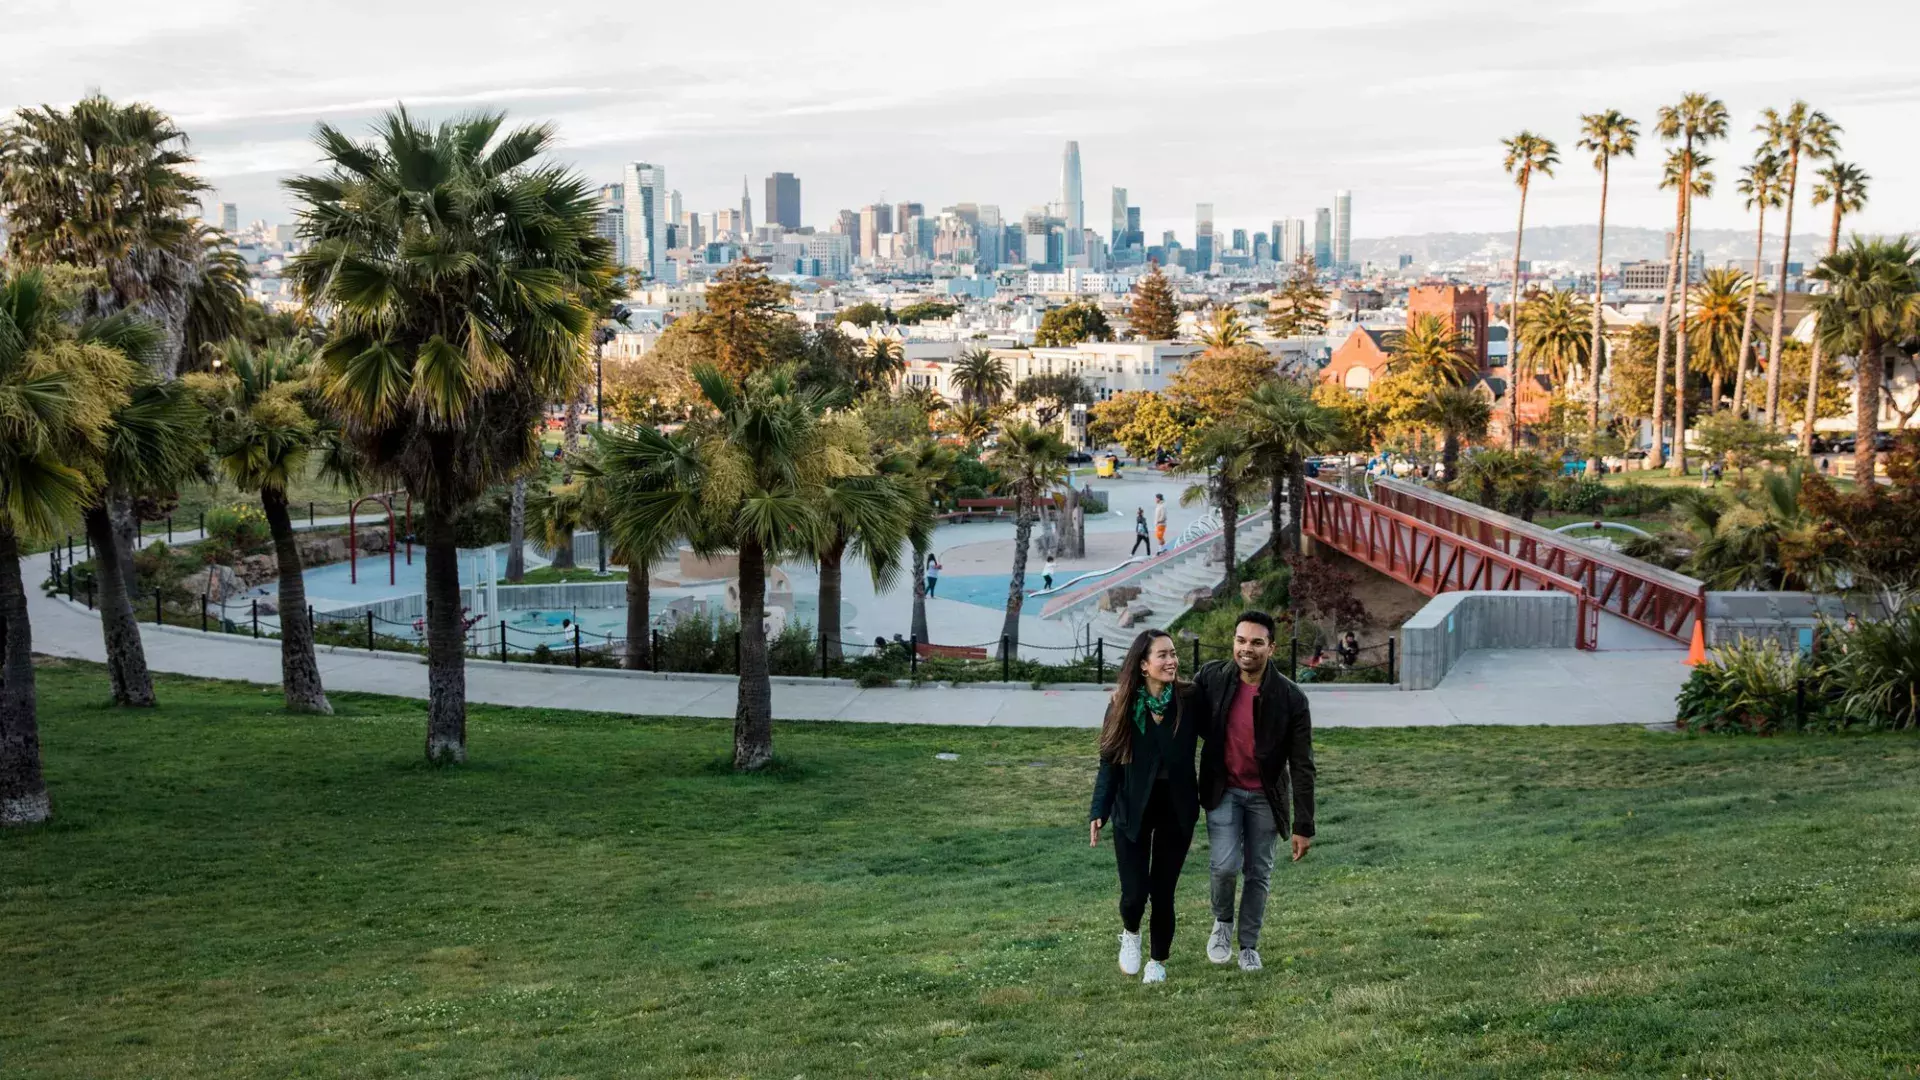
(1164, 587)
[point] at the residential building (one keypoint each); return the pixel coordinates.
(783, 200)
(646, 217)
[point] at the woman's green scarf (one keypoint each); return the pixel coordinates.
(1144, 703)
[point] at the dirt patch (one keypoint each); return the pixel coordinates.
(1388, 602)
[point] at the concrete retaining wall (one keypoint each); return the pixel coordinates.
(1451, 623)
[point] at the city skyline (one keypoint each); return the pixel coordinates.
(1418, 145)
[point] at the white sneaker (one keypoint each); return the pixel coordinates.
(1129, 953)
(1249, 959)
(1220, 942)
(1156, 972)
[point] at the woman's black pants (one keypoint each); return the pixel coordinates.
(1150, 870)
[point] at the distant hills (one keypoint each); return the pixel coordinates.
(1573, 243)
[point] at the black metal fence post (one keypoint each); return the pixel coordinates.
(1100, 660)
(576, 645)
(203, 613)
(1006, 659)
(503, 641)
(70, 595)
(1799, 703)
(1196, 654)
(913, 655)
(159, 616)
(1392, 673)
(69, 549)
(203, 524)
(1293, 657)
(823, 654)
(87, 538)
(653, 654)
(309, 515)
(169, 528)
(256, 618)
(89, 594)
(369, 631)
(310, 623)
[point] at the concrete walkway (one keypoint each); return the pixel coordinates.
(1529, 686)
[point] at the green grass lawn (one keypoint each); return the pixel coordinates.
(547, 575)
(228, 891)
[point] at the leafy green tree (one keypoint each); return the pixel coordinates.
(1697, 120)
(745, 320)
(1836, 397)
(1608, 135)
(1872, 298)
(1738, 441)
(463, 278)
(1223, 450)
(1299, 309)
(925, 311)
(1433, 351)
(1214, 383)
(1143, 422)
(1050, 396)
(981, 378)
(265, 437)
(1845, 186)
(56, 398)
(864, 314)
(1527, 154)
(1759, 183)
(1282, 425)
(554, 513)
(1033, 461)
(1072, 324)
(1154, 314)
(1460, 413)
(1801, 131)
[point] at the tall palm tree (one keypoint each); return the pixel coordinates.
(462, 277)
(1225, 452)
(1226, 330)
(264, 438)
(1281, 425)
(1680, 174)
(1430, 347)
(1873, 294)
(667, 469)
(1553, 329)
(1608, 135)
(1719, 305)
(1527, 154)
(1460, 413)
(555, 513)
(1845, 186)
(56, 397)
(1800, 131)
(882, 360)
(1760, 184)
(1697, 120)
(869, 514)
(1034, 461)
(929, 467)
(982, 378)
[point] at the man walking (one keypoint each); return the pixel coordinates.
(1261, 749)
(1160, 521)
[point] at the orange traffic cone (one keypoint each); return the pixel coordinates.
(1697, 652)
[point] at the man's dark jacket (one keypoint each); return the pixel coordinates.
(1121, 791)
(1282, 742)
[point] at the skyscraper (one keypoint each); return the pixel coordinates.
(1203, 236)
(1135, 238)
(783, 200)
(874, 221)
(1342, 228)
(646, 218)
(610, 220)
(1323, 237)
(746, 210)
(847, 224)
(229, 218)
(1293, 241)
(1072, 207)
(1239, 240)
(1119, 218)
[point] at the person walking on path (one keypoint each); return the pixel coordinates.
(1262, 739)
(1160, 521)
(1140, 536)
(933, 573)
(1146, 787)
(1046, 573)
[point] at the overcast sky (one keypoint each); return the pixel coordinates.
(1263, 109)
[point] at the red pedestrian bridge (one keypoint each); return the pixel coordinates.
(1437, 543)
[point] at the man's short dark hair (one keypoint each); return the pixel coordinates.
(1261, 619)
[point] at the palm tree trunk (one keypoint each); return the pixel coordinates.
(126, 656)
(1680, 339)
(126, 529)
(517, 533)
(299, 668)
(446, 642)
(1450, 454)
(753, 712)
(569, 440)
(1866, 421)
(1229, 506)
(1513, 331)
(562, 554)
(1657, 456)
(639, 653)
(1279, 526)
(1816, 357)
(831, 561)
(1718, 378)
(1017, 585)
(1593, 352)
(23, 790)
(1746, 325)
(919, 630)
(1780, 297)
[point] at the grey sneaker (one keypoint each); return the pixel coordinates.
(1249, 959)
(1156, 972)
(1220, 943)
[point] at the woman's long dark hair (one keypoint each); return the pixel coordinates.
(1116, 734)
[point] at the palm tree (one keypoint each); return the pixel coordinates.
(749, 476)
(883, 360)
(1680, 165)
(554, 514)
(924, 398)
(1608, 135)
(1460, 413)
(929, 467)
(264, 438)
(1225, 451)
(1873, 294)
(1281, 425)
(1799, 131)
(1845, 186)
(1760, 183)
(1553, 329)
(1033, 459)
(973, 423)
(1719, 306)
(665, 468)
(55, 400)
(462, 279)
(871, 514)
(982, 378)
(1227, 330)
(1697, 120)
(1430, 347)
(1527, 154)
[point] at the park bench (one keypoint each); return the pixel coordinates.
(928, 650)
(996, 506)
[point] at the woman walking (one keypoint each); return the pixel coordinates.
(1148, 788)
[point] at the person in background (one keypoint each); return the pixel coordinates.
(1160, 521)
(933, 572)
(1350, 645)
(1140, 537)
(1046, 572)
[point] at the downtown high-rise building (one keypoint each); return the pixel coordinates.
(746, 210)
(1135, 237)
(783, 200)
(1119, 218)
(1203, 237)
(1293, 240)
(1342, 228)
(610, 220)
(647, 213)
(1073, 208)
(1323, 237)
(875, 220)
(1239, 244)
(229, 218)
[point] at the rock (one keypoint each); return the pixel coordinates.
(216, 583)
(257, 569)
(1117, 597)
(1199, 598)
(370, 539)
(1133, 615)
(1250, 590)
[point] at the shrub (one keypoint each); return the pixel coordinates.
(700, 643)
(1634, 499)
(1753, 686)
(1581, 495)
(1877, 669)
(795, 651)
(239, 528)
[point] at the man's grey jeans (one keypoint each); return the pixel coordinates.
(1243, 837)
